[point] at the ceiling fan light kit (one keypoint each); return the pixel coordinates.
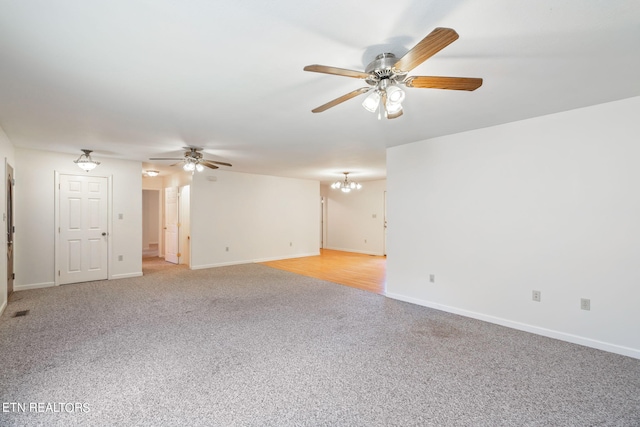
(193, 160)
(346, 186)
(85, 162)
(152, 173)
(386, 73)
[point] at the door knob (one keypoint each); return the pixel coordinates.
(104, 234)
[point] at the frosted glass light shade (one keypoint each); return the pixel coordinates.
(372, 101)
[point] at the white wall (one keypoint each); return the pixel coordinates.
(6, 155)
(256, 216)
(35, 215)
(549, 204)
(355, 220)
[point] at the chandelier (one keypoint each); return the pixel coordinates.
(345, 185)
(85, 162)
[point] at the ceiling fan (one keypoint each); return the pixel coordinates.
(386, 73)
(193, 160)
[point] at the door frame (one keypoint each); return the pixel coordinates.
(10, 224)
(56, 223)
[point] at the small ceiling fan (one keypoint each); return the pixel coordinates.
(193, 160)
(386, 73)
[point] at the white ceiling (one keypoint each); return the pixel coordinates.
(134, 79)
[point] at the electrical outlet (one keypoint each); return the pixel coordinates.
(432, 278)
(535, 295)
(227, 249)
(585, 304)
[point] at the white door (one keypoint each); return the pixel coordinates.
(171, 224)
(83, 229)
(184, 249)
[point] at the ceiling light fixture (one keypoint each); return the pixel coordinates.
(189, 164)
(345, 185)
(152, 173)
(85, 162)
(192, 164)
(386, 94)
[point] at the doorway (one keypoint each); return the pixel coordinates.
(10, 227)
(323, 213)
(151, 209)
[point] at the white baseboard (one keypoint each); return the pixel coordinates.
(278, 258)
(125, 275)
(33, 286)
(358, 251)
(251, 261)
(219, 264)
(563, 336)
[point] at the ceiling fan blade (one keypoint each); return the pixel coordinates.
(209, 165)
(174, 164)
(340, 100)
(166, 158)
(337, 71)
(218, 163)
(433, 43)
(453, 83)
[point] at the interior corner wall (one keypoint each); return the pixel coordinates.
(548, 204)
(35, 215)
(7, 155)
(257, 217)
(355, 220)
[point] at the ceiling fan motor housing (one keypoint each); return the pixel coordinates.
(381, 68)
(193, 153)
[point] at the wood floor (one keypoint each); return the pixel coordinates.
(360, 271)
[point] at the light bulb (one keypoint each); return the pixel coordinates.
(189, 167)
(199, 167)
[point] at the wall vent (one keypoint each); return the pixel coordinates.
(20, 313)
